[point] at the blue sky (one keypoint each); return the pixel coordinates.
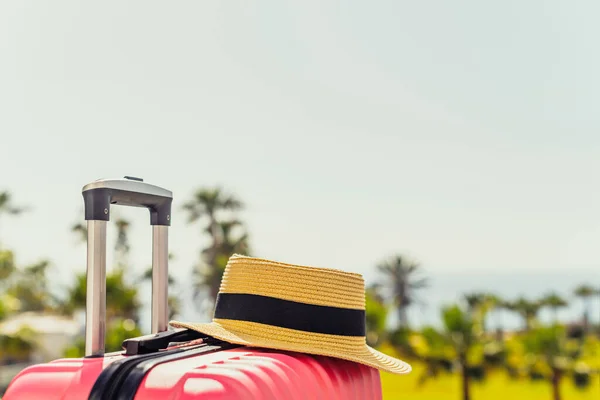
(462, 134)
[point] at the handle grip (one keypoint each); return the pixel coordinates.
(159, 341)
(98, 196)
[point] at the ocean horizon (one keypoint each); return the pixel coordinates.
(448, 287)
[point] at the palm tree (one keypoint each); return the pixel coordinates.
(25, 289)
(376, 315)
(585, 292)
(498, 305)
(479, 305)
(228, 244)
(528, 310)
(174, 303)
(19, 292)
(474, 301)
(8, 303)
(208, 203)
(174, 306)
(401, 280)
(81, 231)
(17, 347)
(461, 334)
(7, 265)
(122, 244)
(549, 345)
(7, 207)
(435, 355)
(554, 302)
(598, 293)
(208, 275)
(121, 296)
(31, 288)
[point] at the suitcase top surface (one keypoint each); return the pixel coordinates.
(241, 373)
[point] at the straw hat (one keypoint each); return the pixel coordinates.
(274, 305)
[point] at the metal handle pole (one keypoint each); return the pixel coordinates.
(95, 316)
(160, 277)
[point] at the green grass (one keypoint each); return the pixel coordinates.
(496, 387)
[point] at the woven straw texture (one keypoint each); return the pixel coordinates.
(309, 285)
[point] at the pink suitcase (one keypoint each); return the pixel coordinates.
(175, 364)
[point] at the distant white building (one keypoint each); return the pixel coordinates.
(54, 333)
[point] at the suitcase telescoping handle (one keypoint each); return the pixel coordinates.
(98, 197)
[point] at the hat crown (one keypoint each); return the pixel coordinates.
(302, 284)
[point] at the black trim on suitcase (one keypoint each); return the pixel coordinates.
(136, 375)
(121, 379)
(113, 375)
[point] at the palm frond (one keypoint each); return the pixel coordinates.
(419, 284)
(7, 207)
(585, 291)
(80, 230)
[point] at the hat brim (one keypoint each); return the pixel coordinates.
(273, 337)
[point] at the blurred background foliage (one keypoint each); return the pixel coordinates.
(461, 358)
